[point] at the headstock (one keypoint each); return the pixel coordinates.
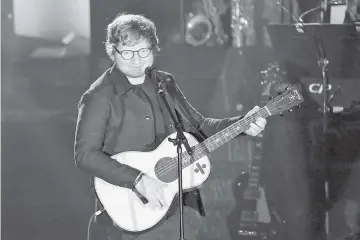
(285, 101)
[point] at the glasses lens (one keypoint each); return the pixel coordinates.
(127, 54)
(144, 52)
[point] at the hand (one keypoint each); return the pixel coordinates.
(152, 190)
(258, 126)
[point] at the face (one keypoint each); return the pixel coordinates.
(136, 66)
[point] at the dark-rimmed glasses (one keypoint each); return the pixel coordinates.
(129, 54)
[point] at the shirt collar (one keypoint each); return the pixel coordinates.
(119, 80)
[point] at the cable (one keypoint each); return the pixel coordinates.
(292, 15)
(96, 214)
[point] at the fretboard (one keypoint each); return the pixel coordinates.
(222, 137)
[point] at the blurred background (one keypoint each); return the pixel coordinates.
(225, 63)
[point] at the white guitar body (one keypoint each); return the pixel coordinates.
(126, 209)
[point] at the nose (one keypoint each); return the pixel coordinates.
(136, 58)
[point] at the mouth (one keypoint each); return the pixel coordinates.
(136, 66)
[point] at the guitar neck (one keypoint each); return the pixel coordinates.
(224, 136)
(233, 130)
(290, 98)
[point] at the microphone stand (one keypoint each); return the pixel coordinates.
(323, 62)
(177, 141)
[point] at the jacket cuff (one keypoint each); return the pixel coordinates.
(138, 178)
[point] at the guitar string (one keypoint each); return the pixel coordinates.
(169, 165)
(173, 162)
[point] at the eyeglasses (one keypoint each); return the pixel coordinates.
(129, 54)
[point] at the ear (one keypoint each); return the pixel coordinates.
(112, 54)
(112, 57)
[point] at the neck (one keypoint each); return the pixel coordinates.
(136, 81)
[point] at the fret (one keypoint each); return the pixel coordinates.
(222, 137)
(227, 135)
(208, 145)
(283, 102)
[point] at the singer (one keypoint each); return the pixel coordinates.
(122, 111)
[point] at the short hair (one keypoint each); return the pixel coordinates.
(127, 29)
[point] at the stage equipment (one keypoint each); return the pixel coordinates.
(311, 47)
(203, 24)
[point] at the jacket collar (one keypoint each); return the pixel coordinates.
(119, 80)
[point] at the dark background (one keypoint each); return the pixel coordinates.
(44, 195)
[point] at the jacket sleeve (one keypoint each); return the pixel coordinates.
(209, 126)
(93, 114)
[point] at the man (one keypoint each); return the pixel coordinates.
(122, 111)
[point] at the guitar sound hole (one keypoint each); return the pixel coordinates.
(166, 169)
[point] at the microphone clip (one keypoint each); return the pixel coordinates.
(161, 78)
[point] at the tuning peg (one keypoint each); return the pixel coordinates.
(290, 110)
(287, 88)
(281, 114)
(298, 106)
(271, 98)
(279, 93)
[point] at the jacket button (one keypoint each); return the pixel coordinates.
(147, 117)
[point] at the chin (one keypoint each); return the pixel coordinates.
(134, 75)
(134, 72)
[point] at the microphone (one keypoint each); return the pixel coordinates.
(299, 22)
(160, 76)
